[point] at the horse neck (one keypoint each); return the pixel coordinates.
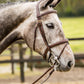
(11, 17)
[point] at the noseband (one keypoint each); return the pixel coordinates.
(48, 49)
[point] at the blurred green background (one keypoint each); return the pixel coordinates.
(74, 28)
(71, 8)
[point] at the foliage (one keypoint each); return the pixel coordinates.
(71, 8)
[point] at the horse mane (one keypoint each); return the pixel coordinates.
(9, 19)
(4, 5)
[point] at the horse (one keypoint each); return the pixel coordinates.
(38, 24)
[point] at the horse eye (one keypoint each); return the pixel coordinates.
(50, 25)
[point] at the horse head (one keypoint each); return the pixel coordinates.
(42, 39)
(42, 31)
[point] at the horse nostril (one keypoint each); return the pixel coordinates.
(70, 64)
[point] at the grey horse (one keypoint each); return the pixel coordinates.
(19, 21)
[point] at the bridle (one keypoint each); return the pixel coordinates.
(48, 49)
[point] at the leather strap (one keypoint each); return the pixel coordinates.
(62, 51)
(48, 12)
(43, 75)
(43, 35)
(53, 45)
(34, 38)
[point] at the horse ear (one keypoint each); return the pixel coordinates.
(51, 3)
(54, 3)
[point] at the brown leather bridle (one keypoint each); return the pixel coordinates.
(48, 49)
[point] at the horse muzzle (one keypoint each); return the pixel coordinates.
(63, 68)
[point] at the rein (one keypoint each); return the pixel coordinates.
(48, 49)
